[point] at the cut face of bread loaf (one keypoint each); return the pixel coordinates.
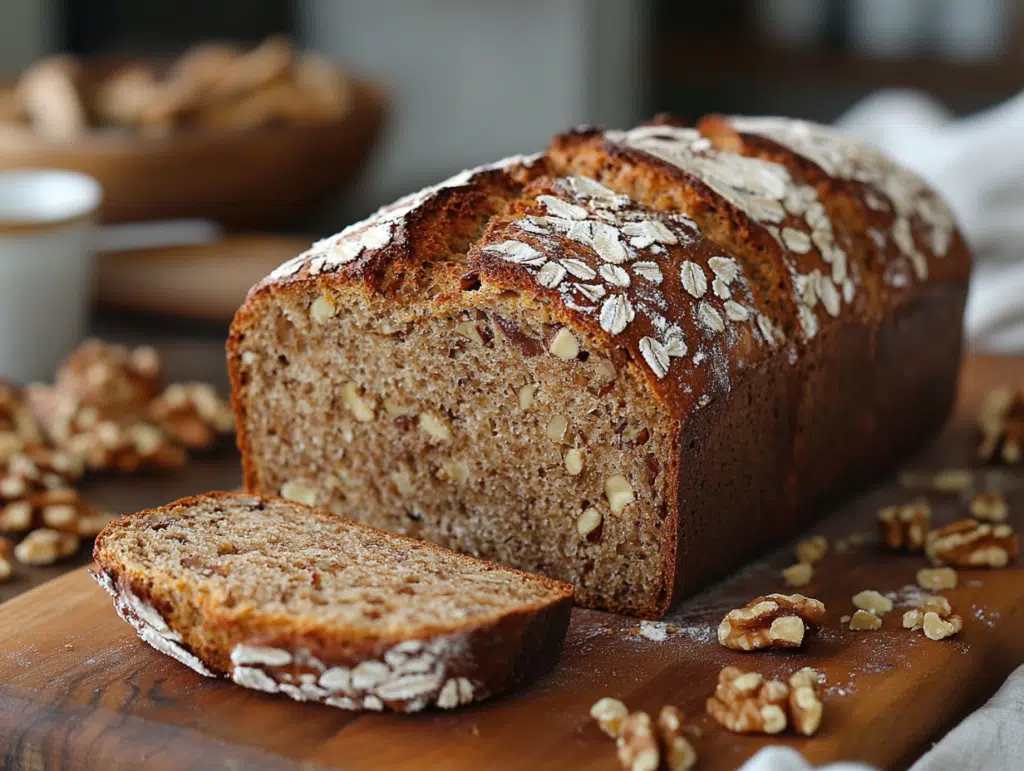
(629, 363)
(287, 599)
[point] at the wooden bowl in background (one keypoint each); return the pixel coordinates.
(259, 178)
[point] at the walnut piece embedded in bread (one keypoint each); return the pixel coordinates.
(619, 344)
(336, 612)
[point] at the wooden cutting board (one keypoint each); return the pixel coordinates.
(78, 690)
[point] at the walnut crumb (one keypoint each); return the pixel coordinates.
(989, 507)
(812, 549)
(969, 543)
(1001, 426)
(805, 706)
(935, 618)
(676, 750)
(798, 575)
(863, 620)
(905, 527)
(609, 713)
(872, 602)
(772, 621)
(954, 480)
(936, 579)
(637, 745)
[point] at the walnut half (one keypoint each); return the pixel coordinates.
(905, 527)
(935, 618)
(773, 621)
(745, 703)
(969, 543)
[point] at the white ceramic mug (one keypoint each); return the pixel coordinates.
(47, 232)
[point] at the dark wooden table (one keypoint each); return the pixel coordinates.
(78, 690)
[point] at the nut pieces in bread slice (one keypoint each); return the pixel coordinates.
(287, 599)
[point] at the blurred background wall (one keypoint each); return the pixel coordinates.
(473, 80)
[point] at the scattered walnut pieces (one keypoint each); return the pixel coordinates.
(1001, 426)
(637, 744)
(6, 553)
(936, 579)
(954, 480)
(776, 620)
(744, 702)
(747, 703)
(106, 407)
(863, 620)
(18, 429)
(62, 509)
(46, 467)
(905, 527)
(798, 575)
(872, 602)
(935, 618)
(192, 414)
(45, 546)
(805, 706)
(812, 549)
(126, 447)
(969, 543)
(609, 713)
(111, 377)
(677, 751)
(989, 507)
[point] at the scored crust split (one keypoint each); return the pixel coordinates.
(631, 362)
(285, 599)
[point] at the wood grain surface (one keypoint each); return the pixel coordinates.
(78, 690)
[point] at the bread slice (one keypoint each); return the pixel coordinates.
(287, 599)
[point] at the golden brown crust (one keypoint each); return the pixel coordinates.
(491, 654)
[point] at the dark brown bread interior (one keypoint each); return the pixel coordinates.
(383, 372)
(230, 572)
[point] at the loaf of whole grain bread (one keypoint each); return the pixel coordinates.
(289, 600)
(630, 362)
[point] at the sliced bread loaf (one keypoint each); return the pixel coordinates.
(286, 599)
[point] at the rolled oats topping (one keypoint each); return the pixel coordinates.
(772, 621)
(905, 527)
(889, 186)
(970, 543)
